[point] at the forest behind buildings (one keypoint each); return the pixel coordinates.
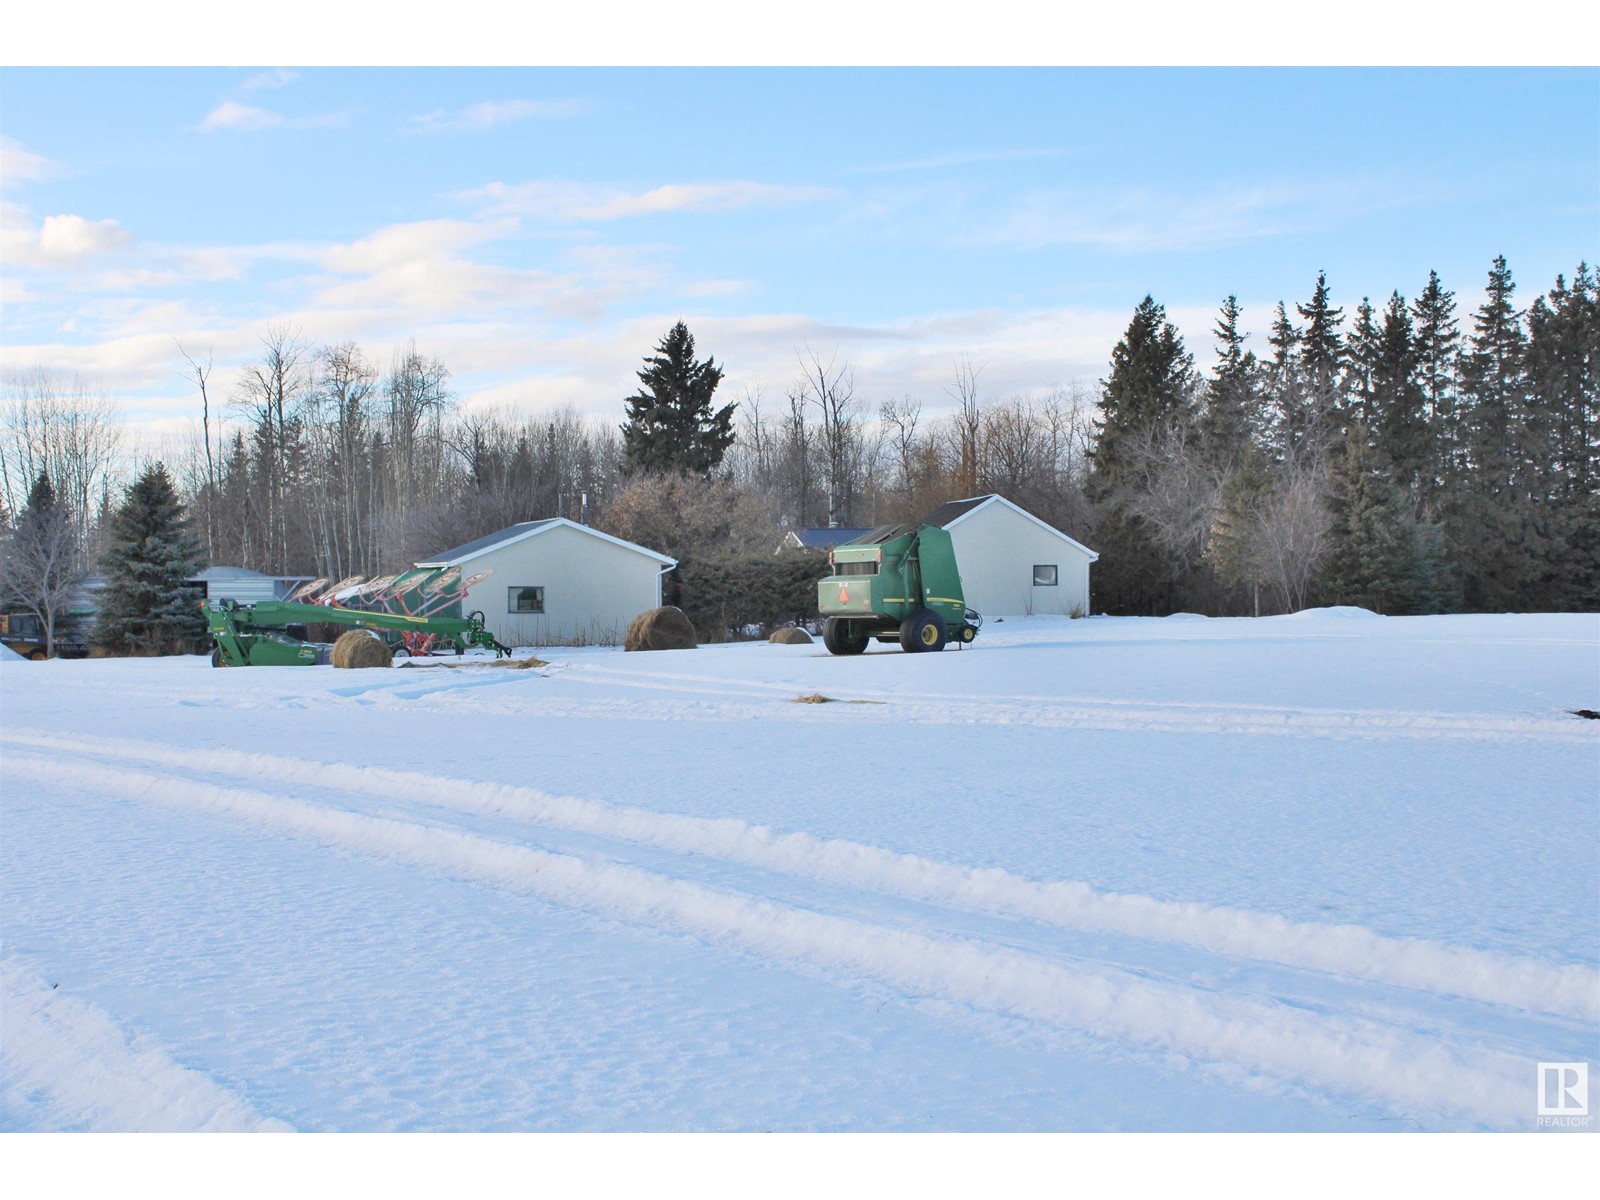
(1398, 453)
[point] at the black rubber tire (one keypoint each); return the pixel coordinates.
(967, 634)
(836, 638)
(216, 656)
(922, 630)
(37, 655)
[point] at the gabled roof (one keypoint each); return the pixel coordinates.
(954, 512)
(222, 574)
(824, 539)
(527, 529)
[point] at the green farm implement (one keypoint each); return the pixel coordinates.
(272, 633)
(895, 583)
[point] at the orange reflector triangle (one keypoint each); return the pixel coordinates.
(844, 594)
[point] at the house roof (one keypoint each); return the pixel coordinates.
(825, 539)
(953, 512)
(223, 574)
(527, 529)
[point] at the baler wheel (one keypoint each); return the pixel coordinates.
(922, 630)
(836, 638)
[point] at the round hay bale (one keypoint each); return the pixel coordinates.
(660, 629)
(361, 648)
(791, 635)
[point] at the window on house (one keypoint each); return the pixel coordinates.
(525, 600)
(1044, 576)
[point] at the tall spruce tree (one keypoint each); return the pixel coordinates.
(1151, 388)
(1399, 404)
(1151, 384)
(1322, 362)
(1234, 548)
(1437, 340)
(1494, 535)
(1361, 357)
(145, 607)
(1374, 557)
(1231, 413)
(1286, 391)
(671, 425)
(1563, 371)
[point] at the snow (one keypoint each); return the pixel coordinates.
(1304, 873)
(8, 655)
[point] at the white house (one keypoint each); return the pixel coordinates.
(1011, 562)
(557, 582)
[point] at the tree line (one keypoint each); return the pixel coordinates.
(1406, 458)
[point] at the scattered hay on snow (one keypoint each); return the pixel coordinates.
(361, 648)
(511, 664)
(660, 629)
(791, 635)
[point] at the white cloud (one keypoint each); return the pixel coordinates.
(18, 164)
(1147, 220)
(63, 240)
(418, 268)
(396, 245)
(68, 237)
(489, 113)
(577, 202)
(276, 78)
(231, 115)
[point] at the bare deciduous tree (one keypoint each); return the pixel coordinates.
(200, 372)
(44, 560)
(62, 430)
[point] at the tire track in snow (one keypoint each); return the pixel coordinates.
(1347, 950)
(1056, 712)
(1342, 1054)
(66, 1065)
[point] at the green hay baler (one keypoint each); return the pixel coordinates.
(897, 582)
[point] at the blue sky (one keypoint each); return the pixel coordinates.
(539, 229)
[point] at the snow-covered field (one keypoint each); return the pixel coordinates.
(1320, 872)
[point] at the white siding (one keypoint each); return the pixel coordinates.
(592, 588)
(996, 551)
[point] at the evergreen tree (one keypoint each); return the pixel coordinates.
(1286, 384)
(1150, 389)
(1361, 358)
(1373, 560)
(1233, 549)
(1399, 403)
(1437, 339)
(671, 425)
(1322, 362)
(145, 607)
(1232, 397)
(1564, 390)
(1493, 379)
(1495, 537)
(1151, 385)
